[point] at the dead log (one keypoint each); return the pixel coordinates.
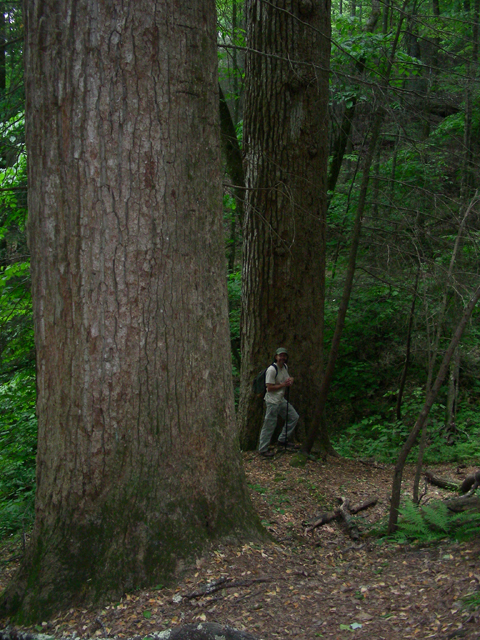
(340, 512)
(468, 502)
(464, 503)
(371, 502)
(346, 520)
(471, 482)
(443, 483)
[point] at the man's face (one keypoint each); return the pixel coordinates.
(281, 358)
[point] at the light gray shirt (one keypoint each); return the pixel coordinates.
(272, 377)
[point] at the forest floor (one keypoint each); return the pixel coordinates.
(306, 586)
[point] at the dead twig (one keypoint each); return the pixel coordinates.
(249, 594)
(223, 583)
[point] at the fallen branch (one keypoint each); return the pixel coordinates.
(346, 520)
(471, 482)
(468, 502)
(223, 583)
(340, 513)
(443, 483)
(371, 502)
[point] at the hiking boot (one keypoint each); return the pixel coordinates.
(267, 454)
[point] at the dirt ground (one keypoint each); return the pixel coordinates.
(306, 586)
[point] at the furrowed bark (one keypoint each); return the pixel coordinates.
(285, 145)
(138, 464)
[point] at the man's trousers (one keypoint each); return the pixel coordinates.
(270, 423)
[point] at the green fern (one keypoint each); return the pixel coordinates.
(412, 525)
(435, 522)
(472, 601)
(437, 517)
(465, 525)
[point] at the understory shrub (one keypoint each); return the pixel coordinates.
(18, 443)
(381, 437)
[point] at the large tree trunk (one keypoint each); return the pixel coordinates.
(285, 142)
(138, 465)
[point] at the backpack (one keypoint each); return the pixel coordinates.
(258, 385)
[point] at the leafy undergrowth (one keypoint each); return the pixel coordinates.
(377, 438)
(321, 585)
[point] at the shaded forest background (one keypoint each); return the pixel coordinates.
(418, 257)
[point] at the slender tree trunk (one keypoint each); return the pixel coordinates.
(347, 289)
(403, 379)
(386, 12)
(452, 398)
(436, 346)
(467, 179)
(138, 465)
(236, 93)
(340, 146)
(234, 165)
(232, 153)
(468, 165)
(3, 57)
(343, 137)
(352, 259)
(376, 182)
(285, 142)
(475, 34)
(430, 399)
(394, 165)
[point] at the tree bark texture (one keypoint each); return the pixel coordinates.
(285, 144)
(138, 464)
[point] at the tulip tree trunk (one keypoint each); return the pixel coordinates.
(285, 146)
(138, 466)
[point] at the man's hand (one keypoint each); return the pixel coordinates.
(276, 387)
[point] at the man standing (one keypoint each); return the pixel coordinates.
(277, 381)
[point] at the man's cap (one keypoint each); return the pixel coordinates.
(281, 350)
